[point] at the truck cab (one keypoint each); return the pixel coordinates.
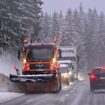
(39, 59)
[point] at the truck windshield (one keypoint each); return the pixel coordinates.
(40, 54)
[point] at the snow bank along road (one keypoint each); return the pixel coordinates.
(77, 94)
(36, 97)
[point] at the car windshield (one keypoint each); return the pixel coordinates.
(40, 54)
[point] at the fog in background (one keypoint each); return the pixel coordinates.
(56, 5)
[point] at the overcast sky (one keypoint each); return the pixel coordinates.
(56, 5)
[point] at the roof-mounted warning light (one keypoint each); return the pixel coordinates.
(25, 41)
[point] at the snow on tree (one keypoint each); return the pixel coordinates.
(54, 26)
(61, 23)
(68, 29)
(81, 29)
(45, 27)
(81, 46)
(91, 30)
(19, 18)
(100, 45)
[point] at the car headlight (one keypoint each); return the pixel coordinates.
(70, 73)
(65, 75)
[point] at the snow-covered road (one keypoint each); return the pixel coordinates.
(5, 96)
(10, 96)
(76, 94)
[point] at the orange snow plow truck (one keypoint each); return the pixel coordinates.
(40, 67)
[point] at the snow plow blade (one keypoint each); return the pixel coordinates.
(31, 78)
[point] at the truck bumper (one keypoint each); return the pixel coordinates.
(32, 78)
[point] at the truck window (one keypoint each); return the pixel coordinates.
(40, 54)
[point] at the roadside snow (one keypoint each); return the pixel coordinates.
(7, 86)
(6, 96)
(6, 64)
(9, 90)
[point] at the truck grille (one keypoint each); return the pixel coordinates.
(39, 66)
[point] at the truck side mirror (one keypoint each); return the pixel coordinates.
(19, 54)
(60, 53)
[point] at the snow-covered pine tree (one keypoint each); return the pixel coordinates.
(55, 31)
(67, 38)
(76, 28)
(92, 28)
(20, 18)
(89, 33)
(101, 39)
(95, 38)
(28, 12)
(45, 27)
(4, 20)
(81, 46)
(61, 23)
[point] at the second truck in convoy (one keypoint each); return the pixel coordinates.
(69, 57)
